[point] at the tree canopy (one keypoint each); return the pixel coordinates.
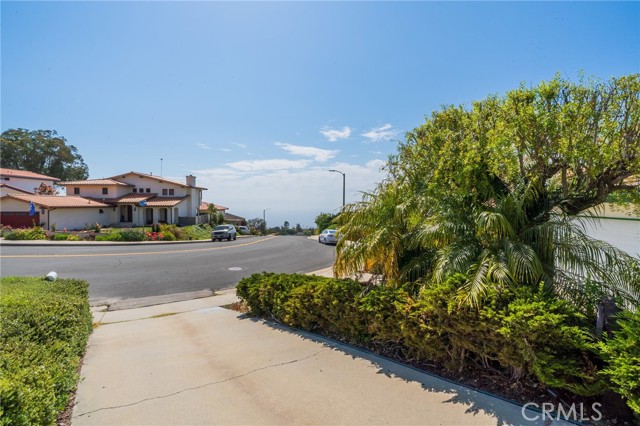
(42, 151)
(323, 220)
(492, 190)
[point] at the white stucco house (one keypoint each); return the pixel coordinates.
(127, 199)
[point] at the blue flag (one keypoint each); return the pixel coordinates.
(32, 209)
(143, 203)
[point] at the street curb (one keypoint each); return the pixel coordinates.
(47, 243)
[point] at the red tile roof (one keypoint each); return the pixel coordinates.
(97, 182)
(50, 201)
(165, 201)
(204, 206)
(133, 198)
(25, 174)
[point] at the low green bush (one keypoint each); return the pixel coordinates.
(622, 353)
(66, 237)
(177, 232)
(35, 233)
(524, 333)
(44, 329)
(115, 236)
(128, 235)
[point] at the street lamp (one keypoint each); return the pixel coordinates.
(264, 219)
(343, 185)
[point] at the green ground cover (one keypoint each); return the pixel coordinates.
(44, 328)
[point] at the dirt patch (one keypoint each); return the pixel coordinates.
(238, 307)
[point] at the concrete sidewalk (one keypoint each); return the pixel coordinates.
(195, 363)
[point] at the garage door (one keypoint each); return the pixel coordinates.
(19, 219)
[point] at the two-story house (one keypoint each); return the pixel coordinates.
(142, 199)
(128, 199)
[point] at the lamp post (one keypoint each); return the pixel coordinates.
(343, 185)
(264, 219)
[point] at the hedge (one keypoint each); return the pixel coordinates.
(526, 333)
(44, 328)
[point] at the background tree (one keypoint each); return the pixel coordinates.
(216, 217)
(256, 225)
(45, 189)
(323, 220)
(492, 191)
(42, 151)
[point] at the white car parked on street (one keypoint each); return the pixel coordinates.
(224, 232)
(328, 236)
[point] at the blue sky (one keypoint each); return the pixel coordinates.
(260, 100)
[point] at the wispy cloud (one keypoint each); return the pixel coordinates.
(318, 154)
(264, 165)
(333, 135)
(203, 145)
(240, 145)
(295, 194)
(225, 149)
(382, 133)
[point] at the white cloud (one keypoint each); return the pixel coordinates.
(296, 194)
(241, 145)
(225, 150)
(262, 165)
(203, 145)
(382, 133)
(333, 135)
(309, 151)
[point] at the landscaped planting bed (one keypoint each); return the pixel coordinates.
(44, 328)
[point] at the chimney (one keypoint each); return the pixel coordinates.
(191, 180)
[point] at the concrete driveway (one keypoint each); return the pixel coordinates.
(194, 363)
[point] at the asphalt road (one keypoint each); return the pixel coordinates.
(121, 272)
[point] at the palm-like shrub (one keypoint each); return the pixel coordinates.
(514, 240)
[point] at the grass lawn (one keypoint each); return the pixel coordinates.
(44, 328)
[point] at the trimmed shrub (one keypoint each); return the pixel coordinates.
(622, 353)
(524, 333)
(43, 335)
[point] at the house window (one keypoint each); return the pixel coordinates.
(76, 191)
(105, 191)
(101, 211)
(171, 191)
(135, 189)
(148, 189)
(165, 191)
(7, 178)
(140, 189)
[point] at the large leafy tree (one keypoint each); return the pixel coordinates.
(492, 191)
(42, 151)
(323, 220)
